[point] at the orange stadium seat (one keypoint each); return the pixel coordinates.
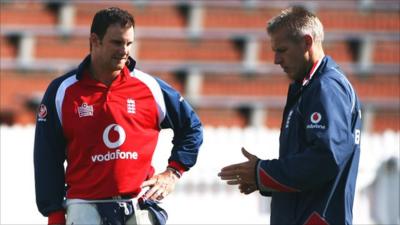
(146, 16)
(383, 86)
(332, 19)
(387, 52)
(359, 20)
(7, 49)
(176, 49)
(221, 117)
(27, 13)
(170, 78)
(252, 85)
(17, 87)
(339, 50)
(274, 118)
(386, 120)
(232, 17)
(61, 47)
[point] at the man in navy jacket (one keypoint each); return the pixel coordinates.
(313, 180)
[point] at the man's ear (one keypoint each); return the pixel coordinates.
(308, 41)
(94, 40)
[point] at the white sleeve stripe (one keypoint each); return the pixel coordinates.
(353, 97)
(155, 89)
(61, 93)
(353, 94)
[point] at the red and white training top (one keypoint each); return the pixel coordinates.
(107, 135)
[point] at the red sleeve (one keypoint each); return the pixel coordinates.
(57, 217)
(179, 167)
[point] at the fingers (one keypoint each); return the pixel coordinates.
(227, 177)
(241, 174)
(148, 183)
(232, 170)
(157, 192)
(228, 174)
(160, 186)
(247, 154)
(232, 167)
(232, 180)
(247, 189)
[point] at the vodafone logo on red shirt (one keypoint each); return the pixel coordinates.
(121, 134)
(113, 137)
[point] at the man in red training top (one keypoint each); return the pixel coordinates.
(103, 118)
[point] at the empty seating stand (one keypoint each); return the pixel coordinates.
(216, 53)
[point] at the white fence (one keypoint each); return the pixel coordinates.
(200, 197)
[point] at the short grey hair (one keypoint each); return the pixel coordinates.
(298, 21)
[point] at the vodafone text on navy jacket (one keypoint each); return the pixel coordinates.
(313, 181)
(107, 135)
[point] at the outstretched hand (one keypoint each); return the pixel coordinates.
(160, 185)
(242, 174)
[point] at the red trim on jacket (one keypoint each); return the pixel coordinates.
(270, 182)
(315, 219)
(312, 72)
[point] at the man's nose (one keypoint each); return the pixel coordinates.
(125, 49)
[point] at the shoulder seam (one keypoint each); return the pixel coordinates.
(60, 93)
(156, 90)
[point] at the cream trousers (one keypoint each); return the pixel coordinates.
(86, 213)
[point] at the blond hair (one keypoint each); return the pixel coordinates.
(298, 21)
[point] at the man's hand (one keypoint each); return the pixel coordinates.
(160, 185)
(242, 174)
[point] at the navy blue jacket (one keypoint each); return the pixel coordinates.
(313, 181)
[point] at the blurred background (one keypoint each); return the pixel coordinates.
(217, 54)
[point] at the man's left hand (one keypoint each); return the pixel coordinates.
(242, 174)
(160, 185)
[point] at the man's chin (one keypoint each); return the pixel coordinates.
(119, 66)
(290, 75)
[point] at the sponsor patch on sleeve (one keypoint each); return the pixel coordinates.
(315, 118)
(42, 113)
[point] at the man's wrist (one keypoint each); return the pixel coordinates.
(174, 171)
(177, 166)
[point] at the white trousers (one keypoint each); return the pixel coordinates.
(86, 213)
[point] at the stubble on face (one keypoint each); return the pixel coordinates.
(289, 54)
(116, 47)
